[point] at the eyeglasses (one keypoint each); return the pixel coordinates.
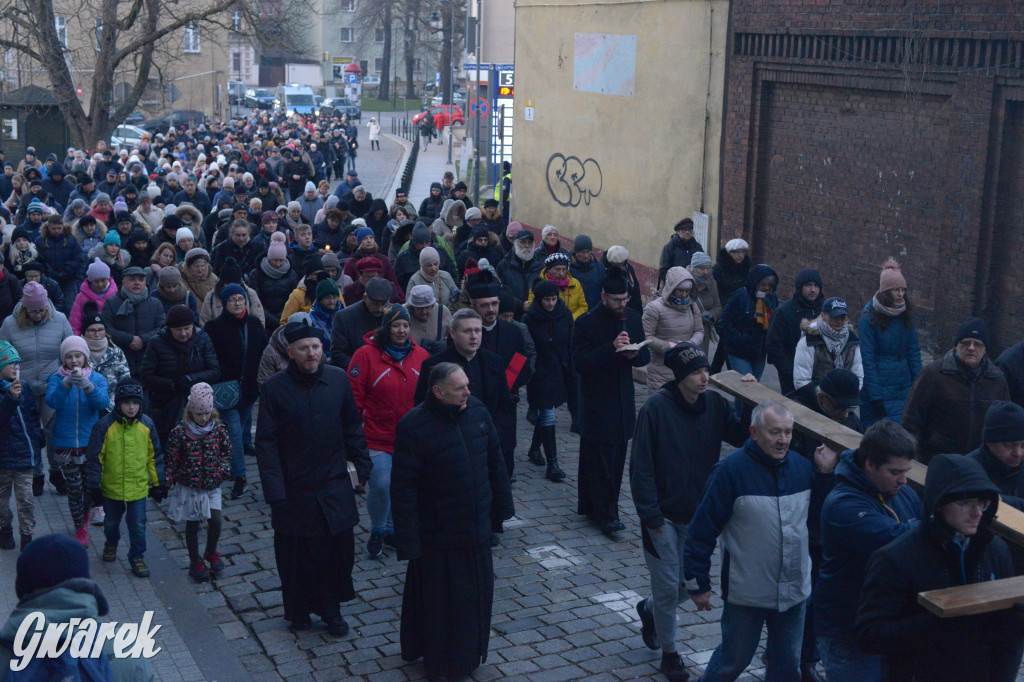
(971, 343)
(970, 505)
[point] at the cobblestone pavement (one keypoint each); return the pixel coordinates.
(563, 604)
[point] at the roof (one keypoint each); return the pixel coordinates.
(30, 95)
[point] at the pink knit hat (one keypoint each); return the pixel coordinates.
(200, 399)
(277, 250)
(512, 230)
(33, 296)
(891, 277)
(71, 344)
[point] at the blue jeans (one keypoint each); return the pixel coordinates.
(546, 416)
(246, 413)
(378, 493)
(744, 366)
(845, 663)
(136, 521)
(233, 420)
(741, 632)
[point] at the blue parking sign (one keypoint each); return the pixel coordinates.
(437, 77)
(352, 78)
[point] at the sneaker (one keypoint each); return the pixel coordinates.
(250, 450)
(198, 572)
(25, 539)
(6, 538)
(375, 546)
(337, 627)
(647, 630)
(97, 515)
(57, 481)
(82, 535)
(110, 553)
(216, 563)
(389, 540)
(38, 482)
(238, 488)
(535, 457)
(139, 567)
(672, 667)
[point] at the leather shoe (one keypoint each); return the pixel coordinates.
(809, 673)
(337, 627)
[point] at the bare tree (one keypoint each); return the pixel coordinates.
(129, 34)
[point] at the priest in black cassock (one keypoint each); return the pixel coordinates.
(448, 481)
(309, 429)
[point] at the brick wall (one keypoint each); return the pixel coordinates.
(841, 150)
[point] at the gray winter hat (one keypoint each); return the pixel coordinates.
(699, 260)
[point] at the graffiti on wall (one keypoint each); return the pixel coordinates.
(571, 180)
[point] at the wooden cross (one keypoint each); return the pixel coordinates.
(964, 600)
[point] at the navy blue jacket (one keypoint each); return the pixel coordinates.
(590, 276)
(63, 258)
(21, 439)
(741, 334)
(855, 521)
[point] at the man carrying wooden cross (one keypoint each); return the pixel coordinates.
(953, 545)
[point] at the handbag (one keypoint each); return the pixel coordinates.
(226, 394)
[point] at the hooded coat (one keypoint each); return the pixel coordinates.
(572, 295)
(730, 275)
(946, 407)
(741, 334)
(785, 331)
(916, 645)
(667, 323)
(384, 389)
(87, 295)
(453, 215)
(38, 345)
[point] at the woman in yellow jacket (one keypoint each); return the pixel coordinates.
(556, 269)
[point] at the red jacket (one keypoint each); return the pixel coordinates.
(383, 389)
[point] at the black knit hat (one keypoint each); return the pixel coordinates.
(684, 359)
(614, 282)
(842, 386)
(482, 284)
(1004, 423)
(179, 315)
(91, 315)
(48, 561)
(972, 329)
(129, 389)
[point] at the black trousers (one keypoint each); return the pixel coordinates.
(600, 479)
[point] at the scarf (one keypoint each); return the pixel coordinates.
(675, 300)
(97, 347)
(130, 301)
(763, 310)
(322, 317)
(428, 278)
(894, 311)
(179, 294)
(834, 341)
(563, 284)
(292, 224)
(65, 372)
(272, 272)
(196, 432)
(398, 353)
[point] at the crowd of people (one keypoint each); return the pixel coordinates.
(154, 298)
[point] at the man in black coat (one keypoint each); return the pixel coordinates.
(296, 173)
(238, 246)
(679, 250)
(678, 439)
(952, 545)
(1012, 364)
(355, 321)
(308, 431)
(448, 488)
(607, 403)
(504, 339)
(784, 332)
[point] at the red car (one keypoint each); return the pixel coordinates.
(443, 114)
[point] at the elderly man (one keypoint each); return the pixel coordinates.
(448, 487)
(757, 501)
(430, 320)
(946, 407)
(357, 320)
(1002, 452)
(309, 429)
(520, 269)
(133, 317)
(239, 246)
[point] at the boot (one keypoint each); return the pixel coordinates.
(25, 539)
(574, 425)
(553, 473)
(38, 482)
(534, 454)
(57, 481)
(238, 488)
(6, 538)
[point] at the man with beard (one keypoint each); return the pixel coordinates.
(519, 269)
(309, 429)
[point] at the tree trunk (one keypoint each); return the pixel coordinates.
(446, 58)
(384, 90)
(410, 51)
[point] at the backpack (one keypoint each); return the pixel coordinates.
(65, 668)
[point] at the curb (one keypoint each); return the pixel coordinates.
(408, 147)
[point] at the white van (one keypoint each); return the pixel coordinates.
(295, 98)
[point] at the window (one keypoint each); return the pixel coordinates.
(346, 34)
(378, 64)
(347, 5)
(417, 65)
(236, 21)
(191, 38)
(378, 36)
(236, 65)
(99, 32)
(61, 24)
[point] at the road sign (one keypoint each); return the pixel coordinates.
(78, 90)
(437, 77)
(479, 107)
(351, 78)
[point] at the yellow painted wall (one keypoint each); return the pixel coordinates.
(649, 147)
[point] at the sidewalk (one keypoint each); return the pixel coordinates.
(432, 163)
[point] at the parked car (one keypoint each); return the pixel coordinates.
(258, 98)
(338, 106)
(127, 136)
(371, 80)
(236, 90)
(458, 99)
(185, 117)
(444, 114)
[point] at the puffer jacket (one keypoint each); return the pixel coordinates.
(572, 295)
(38, 345)
(296, 303)
(892, 361)
(915, 645)
(77, 411)
(212, 307)
(741, 333)
(21, 441)
(201, 464)
(591, 277)
(666, 324)
(114, 368)
(946, 408)
(124, 457)
(448, 480)
(519, 275)
(144, 322)
(812, 359)
(384, 389)
(273, 292)
(10, 292)
(87, 295)
(710, 302)
(62, 256)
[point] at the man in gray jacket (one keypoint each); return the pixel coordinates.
(133, 317)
